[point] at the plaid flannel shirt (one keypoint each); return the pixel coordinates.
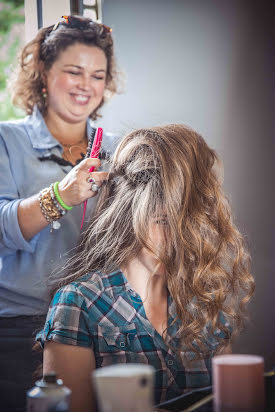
(102, 312)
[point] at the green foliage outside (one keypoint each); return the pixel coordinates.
(11, 40)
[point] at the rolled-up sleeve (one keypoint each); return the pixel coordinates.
(11, 238)
(67, 320)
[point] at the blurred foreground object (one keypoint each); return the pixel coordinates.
(124, 388)
(49, 394)
(238, 383)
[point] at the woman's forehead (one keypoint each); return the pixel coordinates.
(79, 53)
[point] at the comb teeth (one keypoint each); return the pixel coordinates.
(90, 143)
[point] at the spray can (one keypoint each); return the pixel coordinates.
(48, 394)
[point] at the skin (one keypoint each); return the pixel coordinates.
(74, 365)
(75, 86)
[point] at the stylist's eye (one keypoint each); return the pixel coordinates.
(99, 77)
(74, 73)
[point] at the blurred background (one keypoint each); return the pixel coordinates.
(12, 37)
(205, 63)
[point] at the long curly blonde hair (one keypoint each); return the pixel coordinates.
(172, 169)
(37, 57)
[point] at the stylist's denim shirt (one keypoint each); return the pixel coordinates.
(26, 265)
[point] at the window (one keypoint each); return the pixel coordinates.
(87, 8)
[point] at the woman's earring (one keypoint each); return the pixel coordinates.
(44, 92)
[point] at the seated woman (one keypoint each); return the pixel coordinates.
(161, 276)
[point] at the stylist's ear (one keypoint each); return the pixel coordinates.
(42, 72)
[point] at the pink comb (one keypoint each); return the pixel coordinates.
(94, 154)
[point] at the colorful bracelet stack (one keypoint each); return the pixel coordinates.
(52, 206)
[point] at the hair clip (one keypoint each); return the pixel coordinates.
(107, 28)
(55, 26)
(66, 18)
(79, 23)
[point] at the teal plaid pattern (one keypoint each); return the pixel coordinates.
(102, 312)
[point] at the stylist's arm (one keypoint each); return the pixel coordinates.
(74, 189)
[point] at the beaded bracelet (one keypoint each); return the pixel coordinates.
(50, 212)
(58, 198)
(56, 203)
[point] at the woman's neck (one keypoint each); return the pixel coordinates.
(146, 280)
(152, 288)
(65, 133)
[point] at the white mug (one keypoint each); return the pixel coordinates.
(124, 387)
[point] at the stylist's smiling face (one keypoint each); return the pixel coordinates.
(76, 83)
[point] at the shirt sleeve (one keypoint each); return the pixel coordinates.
(67, 320)
(11, 238)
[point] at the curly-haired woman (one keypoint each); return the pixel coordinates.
(161, 276)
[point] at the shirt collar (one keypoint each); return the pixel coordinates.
(39, 133)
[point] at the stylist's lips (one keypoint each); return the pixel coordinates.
(80, 99)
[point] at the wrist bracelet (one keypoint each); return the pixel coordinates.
(58, 198)
(55, 202)
(50, 211)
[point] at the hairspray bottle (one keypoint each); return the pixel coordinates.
(48, 395)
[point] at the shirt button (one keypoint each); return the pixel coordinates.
(122, 344)
(170, 362)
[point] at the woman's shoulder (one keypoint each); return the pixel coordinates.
(30, 128)
(88, 288)
(90, 282)
(15, 134)
(89, 285)
(12, 126)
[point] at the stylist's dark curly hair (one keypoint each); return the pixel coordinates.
(38, 56)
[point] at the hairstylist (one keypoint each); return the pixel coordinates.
(63, 76)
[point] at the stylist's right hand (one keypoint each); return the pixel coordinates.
(74, 189)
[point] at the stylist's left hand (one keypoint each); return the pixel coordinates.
(74, 189)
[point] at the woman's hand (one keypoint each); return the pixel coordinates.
(74, 189)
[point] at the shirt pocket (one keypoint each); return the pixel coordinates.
(112, 339)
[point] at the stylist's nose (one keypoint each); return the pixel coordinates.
(85, 83)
